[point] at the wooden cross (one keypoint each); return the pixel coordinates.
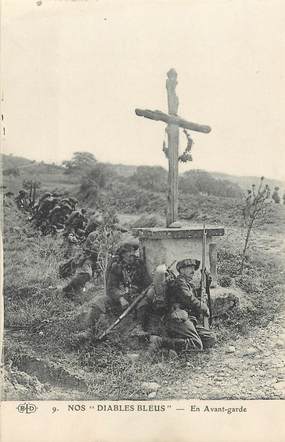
(174, 122)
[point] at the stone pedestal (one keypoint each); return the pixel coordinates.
(165, 245)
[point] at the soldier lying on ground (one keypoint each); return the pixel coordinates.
(76, 220)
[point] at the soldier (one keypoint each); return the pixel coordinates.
(126, 277)
(276, 196)
(45, 206)
(94, 222)
(171, 318)
(185, 308)
(21, 200)
(56, 217)
(76, 221)
(72, 202)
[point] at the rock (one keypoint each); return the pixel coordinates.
(152, 395)
(218, 379)
(251, 351)
(230, 349)
(225, 299)
(150, 387)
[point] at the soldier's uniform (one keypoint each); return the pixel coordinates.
(21, 200)
(76, 221)
(185, 310)
(170, 310)
(45, 206)
(57, 217)
(124, 281)
(276, 196)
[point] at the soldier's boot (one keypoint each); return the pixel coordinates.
(174, 344)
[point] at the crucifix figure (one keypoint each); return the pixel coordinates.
(174, 122)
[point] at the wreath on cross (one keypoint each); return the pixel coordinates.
(186, 155)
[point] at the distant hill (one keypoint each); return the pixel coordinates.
(123, 169)
(49, 174)
(245, 182)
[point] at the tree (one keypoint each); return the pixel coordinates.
(253, 209)
(31, 186)
(151, 178)
(96, 180)
(108, 237)
(80, 163)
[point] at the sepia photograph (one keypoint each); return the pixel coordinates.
(143, 202)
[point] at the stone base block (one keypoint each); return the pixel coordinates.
(225, 299)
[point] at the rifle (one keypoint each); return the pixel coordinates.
(205, 289)
(124, 314)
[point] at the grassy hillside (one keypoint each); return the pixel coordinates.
(43, 362)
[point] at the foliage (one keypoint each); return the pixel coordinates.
(152, 178)
(254, 208)
(80, 163)
(200, 181)
(13, 171)
(107, 239)
(147, 221)
(100, 177)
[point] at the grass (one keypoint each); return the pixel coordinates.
(35, 304)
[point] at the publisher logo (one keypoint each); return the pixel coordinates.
(27, 408)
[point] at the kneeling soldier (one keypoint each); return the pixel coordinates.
(185, 308)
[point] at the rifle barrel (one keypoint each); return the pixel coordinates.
(123, 315)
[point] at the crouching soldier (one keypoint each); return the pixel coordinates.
(126, 277)
(185, 309)
(180, 310)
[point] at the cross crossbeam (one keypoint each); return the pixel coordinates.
(174, 122)
(172, 119)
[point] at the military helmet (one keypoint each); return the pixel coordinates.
(189, 262)
(66, 207)
(45, 195)
(130, 245)
(73, 200)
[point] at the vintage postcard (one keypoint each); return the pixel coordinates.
(143, 203)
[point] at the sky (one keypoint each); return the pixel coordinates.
(73, 72)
